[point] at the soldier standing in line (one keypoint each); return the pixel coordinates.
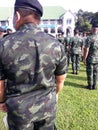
(76, 47)
(8, 32)
(91, 57)
(84, 42)
(35, 66)
(66, 44)
(61, 38)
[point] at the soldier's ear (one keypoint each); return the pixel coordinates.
(17, 15)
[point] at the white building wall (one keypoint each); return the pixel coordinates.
(10, 19)
(65, 25)
(71, 25)
(69, 16)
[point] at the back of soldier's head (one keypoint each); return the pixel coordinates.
(94, 23)
(94, 27)
(27, 11)
(76, 31)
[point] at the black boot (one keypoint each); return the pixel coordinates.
(94, 87)
(73, 72)
(55, 127)
(89, 87)
(77, 72)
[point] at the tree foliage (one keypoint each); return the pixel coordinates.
(84, 19)
(95, 18)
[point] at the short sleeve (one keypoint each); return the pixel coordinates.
(70, 41)
(2, 77)
(87, 42)
(62, 67)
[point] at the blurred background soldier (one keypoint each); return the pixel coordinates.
(2, 32)
(84, 37)
(66, 44)
(91, 57)
(61, 38)
(84, 42)
(76, 47)
(8, 31)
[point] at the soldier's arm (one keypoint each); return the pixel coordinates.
(2, 91)
(86, 50)
(82, 47)
(2, 96)
(61, 71)
(70, 42)
(65, 41)
(2, 82)
(60, 82)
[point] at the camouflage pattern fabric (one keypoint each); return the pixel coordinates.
(66, 43)
(61, 40)
(30, 60)
(75, 62)
(92, 59)
(76, 44)
(92, 44)
(92, 73)
(27, 111)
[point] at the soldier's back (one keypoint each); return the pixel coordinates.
(93, 48)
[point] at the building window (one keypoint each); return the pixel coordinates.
(41, 22)
(52, 30)
(68, 21)
(59, 30)
(3, 23)
(52, 21)
(60, 22)
(45, 21)
(69, 30)
(46, 30)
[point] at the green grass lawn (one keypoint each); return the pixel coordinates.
(77, 107)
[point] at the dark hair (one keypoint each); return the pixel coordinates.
(25, 12)
(76, 31)
(9, 30)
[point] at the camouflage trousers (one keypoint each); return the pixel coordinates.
(68, 58)
(75, 58)
(29, 112)
(92, 73)
(41, 125)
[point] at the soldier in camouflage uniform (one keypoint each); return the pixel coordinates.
(35, 66)
(76, 47)
(84, 42)
(91, 57)
(66, 44)
(61, 38)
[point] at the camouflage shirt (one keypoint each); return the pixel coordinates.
(92, 44)
(67, 42)
(76, 44)
(61, 40)
(30, 59)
